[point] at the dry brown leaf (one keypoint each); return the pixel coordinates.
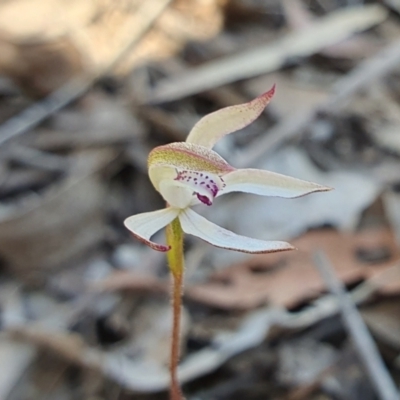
(44, 43)
(39, 67)
(289, 279)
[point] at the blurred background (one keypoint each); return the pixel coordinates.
(88, 88)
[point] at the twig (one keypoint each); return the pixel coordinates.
(326, 31)
(366, 73)
(43, 109)
(37, 159)
(77, 86)
(365, 346)
(361, 77)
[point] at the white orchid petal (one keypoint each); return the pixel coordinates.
(160, 173)
(267, 183)
(196, 225)
(144, 226)
(175, 193)
(214, 126)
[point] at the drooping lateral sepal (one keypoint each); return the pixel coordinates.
(196, 225)
(144, 226)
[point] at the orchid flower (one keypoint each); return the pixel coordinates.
(190, 173)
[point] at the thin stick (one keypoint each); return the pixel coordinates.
(78, 86)
(364, 344)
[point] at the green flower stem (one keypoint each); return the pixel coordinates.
(176, 266)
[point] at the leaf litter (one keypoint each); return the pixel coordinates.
(79, 295)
